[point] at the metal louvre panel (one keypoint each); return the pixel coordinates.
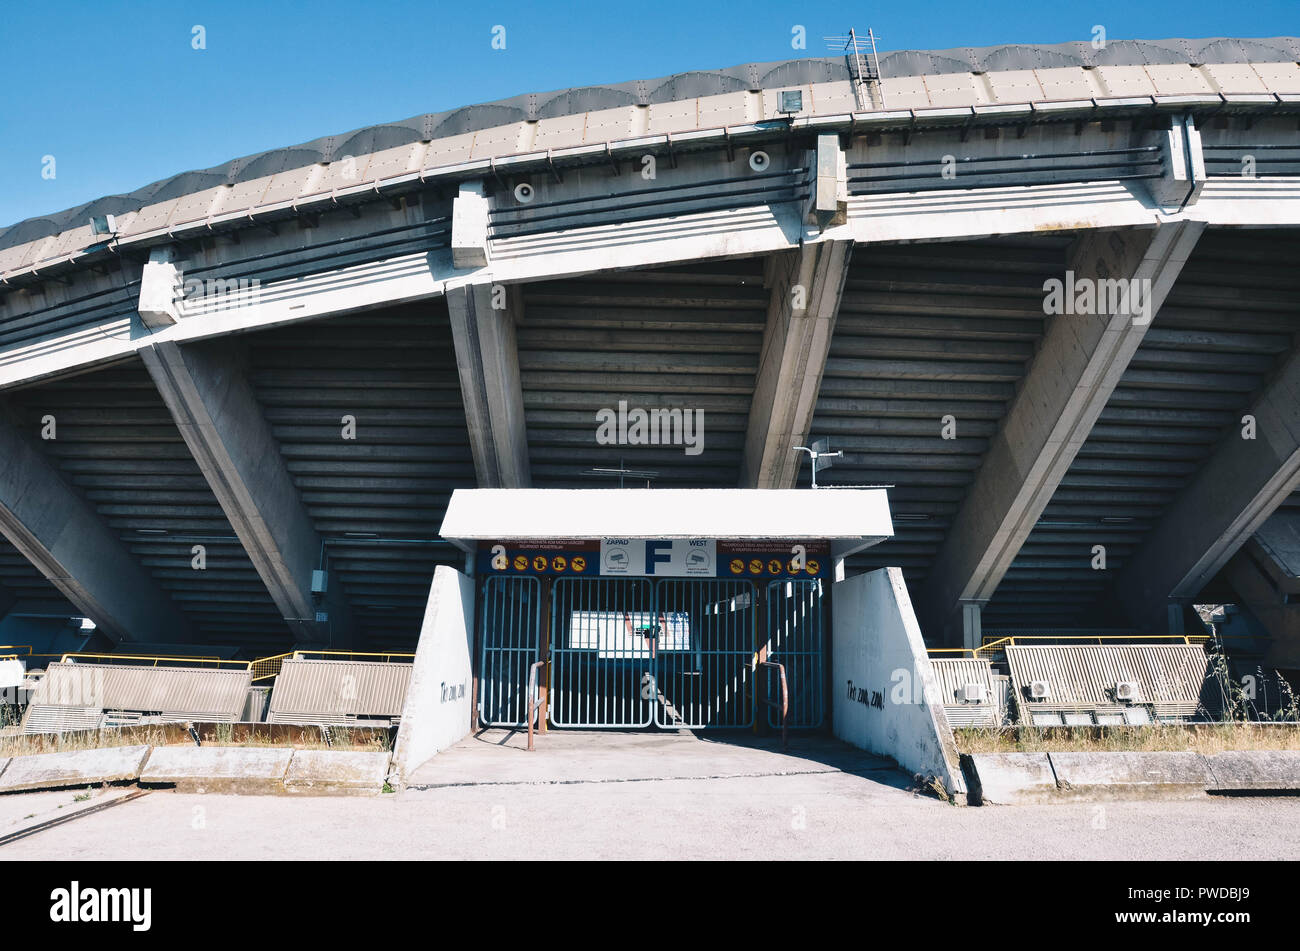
(972, 714)
(118, 445)
(509, 632)
(954, 673)
(394, 371)
(54, 718)
(343, 688)
(925, 331)
(684, 337)
(796, 640)
(180, 691)
(1170, 676)
(312, 719)
(1227, 323)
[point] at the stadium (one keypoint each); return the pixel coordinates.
(980, 363)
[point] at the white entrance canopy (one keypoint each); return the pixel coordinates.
(850, 519)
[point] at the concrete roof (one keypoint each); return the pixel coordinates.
(851, 519)
(1029, 74)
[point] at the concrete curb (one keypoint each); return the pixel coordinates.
(228, 769)
(1008, 778)
(1254, 771)
(324, 772)
(1026, 778)
(1130, 775)
(109, 764)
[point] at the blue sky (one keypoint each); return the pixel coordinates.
(116, 93)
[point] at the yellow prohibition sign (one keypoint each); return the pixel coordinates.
(755, 567)
(579, 563)
(812, 567)
(539, 563)
(521, 562)
(559, 563)
(737, 566)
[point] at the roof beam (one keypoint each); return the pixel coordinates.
(483, 319)
(806, 286)
(1227, 500)
(1069, 380)
(62, 535)
(209, 397)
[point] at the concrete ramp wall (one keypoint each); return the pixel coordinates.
(439, 699)
(884, 693)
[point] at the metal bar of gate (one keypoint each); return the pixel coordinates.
(602, 647)
(795, 641)
(510, 621)
(704, 668)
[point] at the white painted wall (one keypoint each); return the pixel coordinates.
(893, 709)
(439, 698)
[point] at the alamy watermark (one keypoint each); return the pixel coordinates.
(654, 427)
(1107, 296)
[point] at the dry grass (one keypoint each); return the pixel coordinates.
(1171, 737)
(221, 734)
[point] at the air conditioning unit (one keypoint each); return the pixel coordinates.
(1126, 690)
(1040, 689)
(973, 693)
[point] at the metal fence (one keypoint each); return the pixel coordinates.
(796, 640)
(510, 628)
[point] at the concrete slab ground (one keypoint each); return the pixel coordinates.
(73, 768)
(824, 815)
(501, 757)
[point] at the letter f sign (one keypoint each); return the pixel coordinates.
(657, 553)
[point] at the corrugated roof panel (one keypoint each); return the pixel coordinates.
(209, 693)
(306, 688)
(1085, 676)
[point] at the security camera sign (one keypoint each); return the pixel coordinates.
(659, 558)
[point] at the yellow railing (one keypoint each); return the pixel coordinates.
(305, 654)
(11, 650)
(997, 643)
(264, 668)
(152, 660)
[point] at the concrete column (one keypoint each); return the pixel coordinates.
(469, 227)
(160, 290)
(206, 390)
(62, 535)
(972, 627)
(483, 318)
(1071, 376)
(806, 287)
(1227, 500)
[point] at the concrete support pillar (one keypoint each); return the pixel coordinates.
(62, 535)
(206, 390)
(483, 319)
(806, 287)
(1226, 501)
(1077, 366)
(160, 290)
(469, 227)
(972, 628)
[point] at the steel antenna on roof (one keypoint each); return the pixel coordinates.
(863, 71)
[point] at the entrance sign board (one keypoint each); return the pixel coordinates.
(657, 558)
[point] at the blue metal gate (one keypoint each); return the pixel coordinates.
(679, 653)
(602, 644)
(704, 653)
(510, 634)
(795, 640)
